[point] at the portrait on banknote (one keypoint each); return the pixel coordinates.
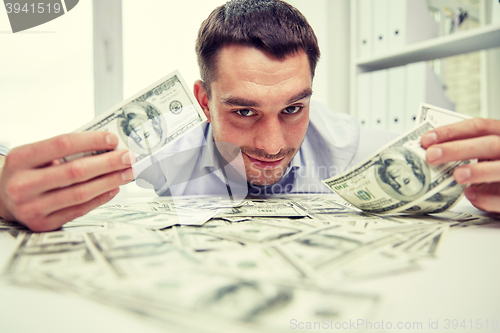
(403, 174)
(142, 127)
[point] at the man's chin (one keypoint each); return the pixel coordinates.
(263, 183)
(265, 180)
(266, 176)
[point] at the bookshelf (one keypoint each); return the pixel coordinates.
(450, 45)
(481, 38)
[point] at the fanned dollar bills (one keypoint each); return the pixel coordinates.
(149, 120)
(244, 272)
(397, 178)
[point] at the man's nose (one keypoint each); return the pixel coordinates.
(270, 136)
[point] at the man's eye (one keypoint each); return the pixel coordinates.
(245, 112)
(292, 109)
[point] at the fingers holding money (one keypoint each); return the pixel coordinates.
(49, 210)
(84, 192)
(469, 140)
(52, 209)
(44, 152)
(467, 129)
(44, 194)
(484, 172)
(483, 148)
(56, 219)
(81, 170)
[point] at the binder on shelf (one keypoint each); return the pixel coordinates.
(364, 99)
(380, 94)
(364, 44)
(423, 86)
(380, 16)
(396, 99)
(495, 12)
(409, 22)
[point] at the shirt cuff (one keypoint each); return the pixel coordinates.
(3, 150)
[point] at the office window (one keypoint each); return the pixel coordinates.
(46, 77)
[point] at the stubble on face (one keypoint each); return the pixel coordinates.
(267, 176)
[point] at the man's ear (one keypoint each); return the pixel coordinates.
(201, 96)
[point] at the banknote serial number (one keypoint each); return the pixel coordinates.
(477, 324)
(40, 8)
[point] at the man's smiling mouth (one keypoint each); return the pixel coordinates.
(265, 164)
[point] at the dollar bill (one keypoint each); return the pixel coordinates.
(151, 220)
(199, 239)
(397, 178)
(322, 252)
(256, 231)
(438, 200)
(149, 120)
(136, 252)
(449, 194)
(264, 210)
(438, 116)
(264, 263)
(37, 252)
(384, 261)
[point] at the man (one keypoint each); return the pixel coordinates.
(257, 69)
(256, 93)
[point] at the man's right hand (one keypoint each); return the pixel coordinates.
(40, 192)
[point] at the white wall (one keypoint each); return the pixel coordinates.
(330, 21)
(159, 37)
(315, 13)
(46, 77)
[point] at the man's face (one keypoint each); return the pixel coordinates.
(261, 104)
(403, 178)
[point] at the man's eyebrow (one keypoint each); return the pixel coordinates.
(304, 94)
(240, 101)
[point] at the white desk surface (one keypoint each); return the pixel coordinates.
(462, 283)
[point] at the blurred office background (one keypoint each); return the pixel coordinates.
(56, 77)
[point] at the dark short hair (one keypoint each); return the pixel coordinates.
(272, 26)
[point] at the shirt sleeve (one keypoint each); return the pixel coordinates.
(3, 150)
